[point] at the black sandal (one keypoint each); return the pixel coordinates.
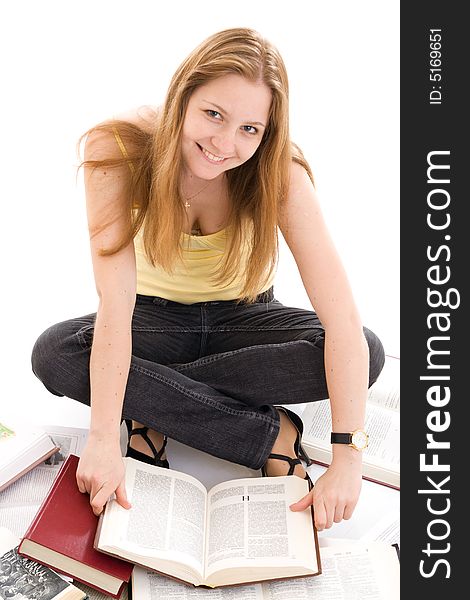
(156, 459)
(299, 450)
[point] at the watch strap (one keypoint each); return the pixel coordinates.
(341, 438)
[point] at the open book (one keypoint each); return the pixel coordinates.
(381, 459)
(350, 570)
(21, 449)
(239, 531)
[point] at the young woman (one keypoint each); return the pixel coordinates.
(184, 206)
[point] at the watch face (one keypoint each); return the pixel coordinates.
(360, 439)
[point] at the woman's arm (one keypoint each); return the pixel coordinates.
(101, 470)
(335, 494)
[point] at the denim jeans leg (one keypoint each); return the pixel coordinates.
(199, 415)
(184, 409)
(268, 353)
(265, 374)
(208, 376)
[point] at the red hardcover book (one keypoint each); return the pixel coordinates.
(61, 536)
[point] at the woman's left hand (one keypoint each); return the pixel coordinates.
(334, 495)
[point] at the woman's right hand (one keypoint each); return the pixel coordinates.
(101, 469)
(100, 472)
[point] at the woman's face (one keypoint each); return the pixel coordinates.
(224, 124)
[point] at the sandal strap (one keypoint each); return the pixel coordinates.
(157, 454)
(145, 458)
(298, 424)
(299, 451)
(293, 462)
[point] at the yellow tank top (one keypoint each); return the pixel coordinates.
(191, 278)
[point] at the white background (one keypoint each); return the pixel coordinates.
(68, 65)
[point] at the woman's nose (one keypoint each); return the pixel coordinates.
(224, 143)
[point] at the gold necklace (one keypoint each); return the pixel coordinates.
(186, 204)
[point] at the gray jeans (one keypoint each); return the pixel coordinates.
(207, 374)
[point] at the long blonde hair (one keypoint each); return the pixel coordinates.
(256, 188)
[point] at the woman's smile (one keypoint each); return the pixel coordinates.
(212, 158)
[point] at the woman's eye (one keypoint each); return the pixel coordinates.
(213, 113)
(250, 129)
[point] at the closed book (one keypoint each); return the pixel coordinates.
(61, 536)
(21, 449)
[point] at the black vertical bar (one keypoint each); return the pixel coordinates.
(435, 260)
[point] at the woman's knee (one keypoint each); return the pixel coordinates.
(376, 350)
(46, 351)
(57, 356)
(376, 355)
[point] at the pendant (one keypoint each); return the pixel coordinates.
(187, 205)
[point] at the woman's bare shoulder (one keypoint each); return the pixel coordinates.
(144, 117)
(102, 143)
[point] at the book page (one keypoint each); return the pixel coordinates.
(70, 440)
(93, 594)
(387, 529)
(382, 425)
(147, 585)
(353, 571)
(349, 571)
(384, 395)
(386, 390)
(20, 501)
(377, 508)
(250, 523)
(8, 540)
(167, 518)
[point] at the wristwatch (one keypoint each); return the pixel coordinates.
(358, 439)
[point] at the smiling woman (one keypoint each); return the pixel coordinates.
(189, 341)
(223, 125)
